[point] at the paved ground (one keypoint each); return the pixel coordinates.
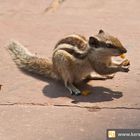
(34, 108)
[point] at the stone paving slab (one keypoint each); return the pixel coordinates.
(39, 33)
(61, 123)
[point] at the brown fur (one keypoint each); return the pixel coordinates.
(78, 41)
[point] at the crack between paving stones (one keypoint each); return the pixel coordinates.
(55, 4)
(90, 108)
(98, 108)
(26, 104)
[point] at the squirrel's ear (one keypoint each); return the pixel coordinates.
(93, 41)
(101, 31)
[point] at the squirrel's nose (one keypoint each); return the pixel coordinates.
(123, 50)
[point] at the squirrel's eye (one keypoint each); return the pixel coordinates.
(109, 46)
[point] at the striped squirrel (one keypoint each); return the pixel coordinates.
(74, 58)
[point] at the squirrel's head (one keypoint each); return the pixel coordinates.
(106, 44)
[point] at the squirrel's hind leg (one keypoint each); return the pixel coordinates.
(64, 64)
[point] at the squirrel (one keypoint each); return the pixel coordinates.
(74, 58)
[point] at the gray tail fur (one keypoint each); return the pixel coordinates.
(27, 61)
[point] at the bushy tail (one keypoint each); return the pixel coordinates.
(27, 61)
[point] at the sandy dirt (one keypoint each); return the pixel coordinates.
(38, 25)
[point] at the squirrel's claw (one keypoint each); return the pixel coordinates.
(73, 90)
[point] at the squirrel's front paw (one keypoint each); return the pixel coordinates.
(124, 66)
(125, 69)
(126, 62)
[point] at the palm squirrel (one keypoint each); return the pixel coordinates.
(74, 58)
